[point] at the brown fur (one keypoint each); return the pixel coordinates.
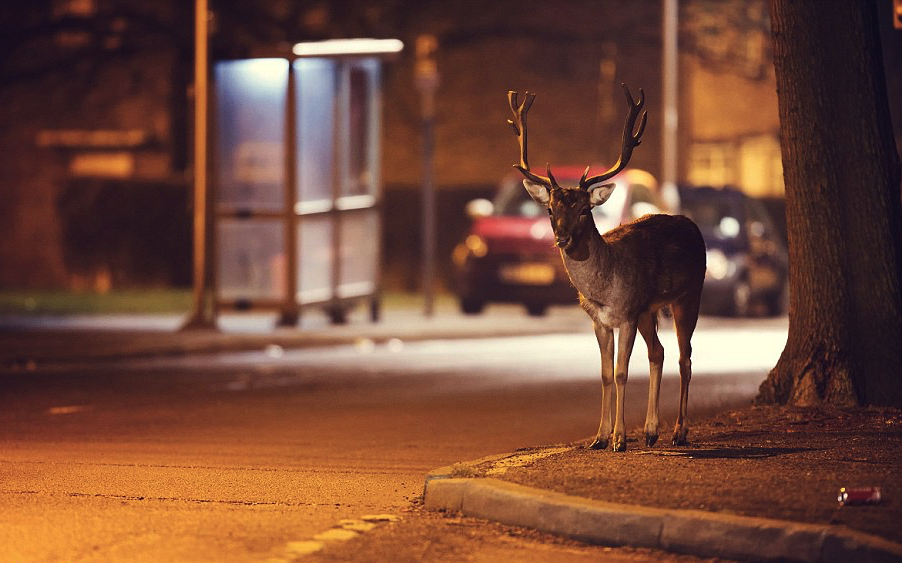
(623, 278)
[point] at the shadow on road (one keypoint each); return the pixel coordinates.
(730, 453)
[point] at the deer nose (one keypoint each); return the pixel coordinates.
(562, 241)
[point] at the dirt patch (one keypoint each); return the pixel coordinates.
(774, 462)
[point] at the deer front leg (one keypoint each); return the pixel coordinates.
(625, 340)
(605, 338)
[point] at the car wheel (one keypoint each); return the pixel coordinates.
(778, 302)
(338, 315)
(783, 307)
(536, 309)
(742, 299)
(471, 305)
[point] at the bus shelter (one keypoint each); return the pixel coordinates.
(297, 179)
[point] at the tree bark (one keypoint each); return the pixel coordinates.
(842, 176)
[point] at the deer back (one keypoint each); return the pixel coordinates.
(650, 261)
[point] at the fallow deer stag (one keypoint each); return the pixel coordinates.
(623, 276)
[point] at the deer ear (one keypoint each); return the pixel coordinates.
(599, 193)
(538, 192)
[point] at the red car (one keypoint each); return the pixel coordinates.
(509, 254)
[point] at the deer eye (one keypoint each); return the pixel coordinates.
(548, 209)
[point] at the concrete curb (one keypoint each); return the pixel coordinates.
(696, 532)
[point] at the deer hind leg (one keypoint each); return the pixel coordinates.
(605, 337)
(648, 328)
(685, 317)
(625, 338)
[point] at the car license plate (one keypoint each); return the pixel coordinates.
(527, 274)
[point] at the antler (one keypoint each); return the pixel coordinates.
(519, 126)
(630, 140)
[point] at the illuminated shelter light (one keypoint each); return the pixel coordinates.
(262, 77)
(337, 47)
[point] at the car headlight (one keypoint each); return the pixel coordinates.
(474, 246)
(477, 246)
(719, 266)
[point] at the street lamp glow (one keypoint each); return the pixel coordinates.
(336, 47)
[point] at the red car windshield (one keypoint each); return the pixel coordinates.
(513, 201)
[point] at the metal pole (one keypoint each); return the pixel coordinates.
(203, 315)
(290, 313)
(427, 83)
(669, 88)
(428, 217)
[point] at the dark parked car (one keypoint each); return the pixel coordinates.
(747, 259)
(509, 254)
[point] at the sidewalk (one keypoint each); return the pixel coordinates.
(31, 340)
(28, 341)
(758, 484)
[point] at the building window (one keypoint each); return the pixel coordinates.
(761, 165)
(712, 164)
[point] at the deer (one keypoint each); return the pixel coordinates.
(623, 277)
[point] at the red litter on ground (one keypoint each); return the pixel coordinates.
(858, 496)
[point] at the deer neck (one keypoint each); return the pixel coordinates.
(588, 244)
(585, 260)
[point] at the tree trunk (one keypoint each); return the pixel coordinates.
(843, 209)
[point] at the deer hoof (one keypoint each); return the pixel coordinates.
(619, 444)
(598, 445)
(650, 440)
(679, 439)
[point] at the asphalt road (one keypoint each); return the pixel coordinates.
(250, 456)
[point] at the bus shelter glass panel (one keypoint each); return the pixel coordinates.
(250, 114)
(251, 259)
(316, 94)
(362, 114)
(358, 252)
(315, 257)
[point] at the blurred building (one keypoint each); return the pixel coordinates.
(93, 143)
(730, 118)
(95, 113)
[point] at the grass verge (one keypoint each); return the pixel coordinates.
(33, 302)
